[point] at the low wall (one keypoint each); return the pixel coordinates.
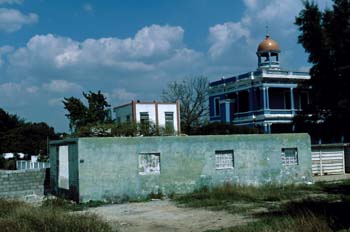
(110, 168)
(22, 184)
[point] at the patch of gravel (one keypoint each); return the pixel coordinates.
(164, 215)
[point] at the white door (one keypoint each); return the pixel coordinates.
(63, 167)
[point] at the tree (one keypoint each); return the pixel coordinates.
(223, 128)
(97, 107)
(80, 115)
(77, 112)
(326, 37)
(192, 94)
(16, 135)
(9, 121)
(31, 138)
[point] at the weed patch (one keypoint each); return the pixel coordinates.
(319, 207)
(221, 197)
(21, 217)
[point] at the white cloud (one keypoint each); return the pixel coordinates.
(87, 7)
(55, 102)
(233, 44)
(62, 86)
(3, 51)
(11, 1)
(123, 68)
(32, 89)
(10, 89)
(250, 3)
(222, 36)
(122, 94)
(12, 20)
(17, 94)
(150, 44)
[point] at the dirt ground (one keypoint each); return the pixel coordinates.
(164, 215)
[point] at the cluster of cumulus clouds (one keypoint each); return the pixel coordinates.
(50, 67)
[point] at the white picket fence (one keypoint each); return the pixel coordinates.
(24, 164)
(328, 160)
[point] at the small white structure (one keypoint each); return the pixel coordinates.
(165, 115)
(27, 164)
(11, 155)
(329, 159)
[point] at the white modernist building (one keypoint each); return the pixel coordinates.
(163, 115)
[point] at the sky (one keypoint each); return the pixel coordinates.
(131, 50)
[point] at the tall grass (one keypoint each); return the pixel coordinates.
(21, 217)
(302, 221)
(320, 207)
(229, 193)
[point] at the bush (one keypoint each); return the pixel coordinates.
(8, 164)
(219, 128)
(127, 129)
(21, 217)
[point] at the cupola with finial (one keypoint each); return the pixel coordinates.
(268, 54)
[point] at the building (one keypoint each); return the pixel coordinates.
(330, 159)
(118, 168)
(268, 97)
(162, 115)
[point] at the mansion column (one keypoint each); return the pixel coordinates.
(227, 111)
(292, 108)
(237, 102)
(267, 98)
(263, 97)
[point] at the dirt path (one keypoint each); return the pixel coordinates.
(164, 215)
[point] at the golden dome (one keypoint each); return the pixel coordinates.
(268, 45)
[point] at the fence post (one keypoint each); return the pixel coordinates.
(321, 167)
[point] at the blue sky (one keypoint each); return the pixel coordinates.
(131, 49)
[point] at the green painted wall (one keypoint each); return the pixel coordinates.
(73, 168)
(108, 167)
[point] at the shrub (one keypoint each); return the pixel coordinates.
(21, 217)
(219, 128)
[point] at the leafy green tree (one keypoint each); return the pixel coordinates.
(9, 121)
(192, 93)
(97, 107)
(80, 115)
(17, 136)
(326, 37)
(77, 112)
(31, 138)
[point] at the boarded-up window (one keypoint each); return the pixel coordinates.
(290, 156)
(63, 167)
(224, 159)
(149, 163)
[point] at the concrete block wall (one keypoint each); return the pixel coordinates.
(22, 184)
(108, 168)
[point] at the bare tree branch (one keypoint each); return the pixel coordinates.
(192, 93)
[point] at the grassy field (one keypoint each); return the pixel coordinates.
(53, 216)
(319, 207)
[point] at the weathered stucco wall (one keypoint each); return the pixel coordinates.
(23, 184)
(73, 183)
(109, 167)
